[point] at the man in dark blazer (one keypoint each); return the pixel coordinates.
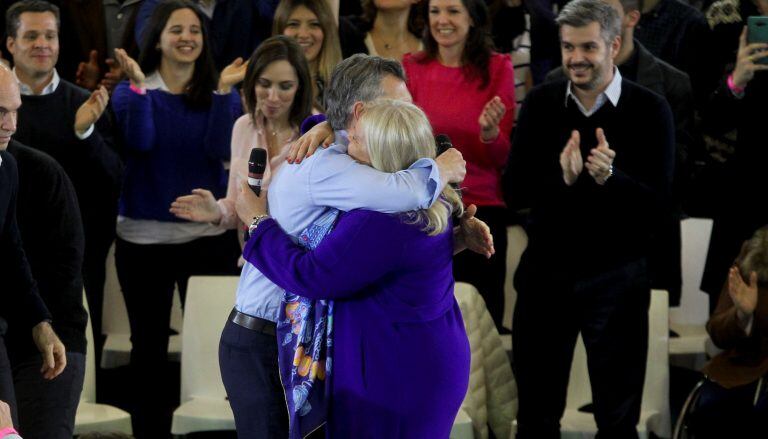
(637, 64)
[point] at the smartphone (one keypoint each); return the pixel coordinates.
(757, 32)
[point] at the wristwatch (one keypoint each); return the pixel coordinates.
(255, 223)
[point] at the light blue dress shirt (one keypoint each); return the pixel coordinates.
(299, 194)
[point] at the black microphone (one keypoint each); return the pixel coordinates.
(257, 164)
(443, 143)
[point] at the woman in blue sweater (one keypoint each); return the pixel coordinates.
(176, 125)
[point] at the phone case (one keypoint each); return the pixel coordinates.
(757, 32)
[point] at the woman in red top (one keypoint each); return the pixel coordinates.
(467, 92)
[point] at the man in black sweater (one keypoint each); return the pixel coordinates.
(20, 301)
(639, 65)
(66, 122)
(594, 178)
(52, 233)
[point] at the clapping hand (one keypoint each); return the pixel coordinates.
(91, 110)
(87, 75)
(475, 234)
(600, 161)
(570, 159)
(113, 76)
(744, 295)
(232, 75)
(490, 118)
(130, 67)
(199, 207)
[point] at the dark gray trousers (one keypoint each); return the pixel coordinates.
(47, 408)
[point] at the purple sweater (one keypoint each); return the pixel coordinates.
(401, 359)
(171, 148)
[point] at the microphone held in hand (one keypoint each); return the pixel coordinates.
(443, 143)
(257, 164)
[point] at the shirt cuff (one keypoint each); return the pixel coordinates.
(86, 134)
(434, 183)
(748, 327)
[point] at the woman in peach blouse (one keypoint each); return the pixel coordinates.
(278, 96)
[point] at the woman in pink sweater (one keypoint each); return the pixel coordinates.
(467, 91)
(278, 96)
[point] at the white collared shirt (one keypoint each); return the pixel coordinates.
(26, 90)
(207, 8)
(610, 94)
(155, 82)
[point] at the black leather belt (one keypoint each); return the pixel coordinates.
(252, 323)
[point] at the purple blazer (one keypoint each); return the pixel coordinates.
(401, 356)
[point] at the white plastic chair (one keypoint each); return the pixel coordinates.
(117, 347)
(654, 413)
(204, 406)
(93, 417)
(690, 318)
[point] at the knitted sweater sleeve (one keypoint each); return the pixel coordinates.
(134, 115)
(225, 109)
(22, 297)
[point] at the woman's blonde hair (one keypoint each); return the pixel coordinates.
(330, 52)
(398, 133)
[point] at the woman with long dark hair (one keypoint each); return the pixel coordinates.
(467, 91)
(278, 96)
(311, 24)
(175, 115)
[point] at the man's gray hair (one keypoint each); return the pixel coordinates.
(357, 78)
(581, 13)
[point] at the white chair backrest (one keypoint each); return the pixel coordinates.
(656, 388)
(88, 394)
(115, 318)
(517, 241)
(208, 303)
(694, 303)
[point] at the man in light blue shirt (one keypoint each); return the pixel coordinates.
(299, 195)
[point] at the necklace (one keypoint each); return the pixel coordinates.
(280, 136)
(387, 46)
